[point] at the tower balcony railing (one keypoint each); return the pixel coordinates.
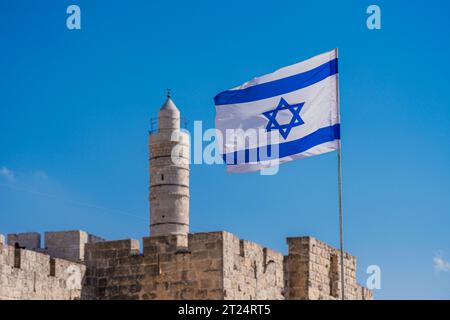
(154, 125)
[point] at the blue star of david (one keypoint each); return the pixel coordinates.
(284, 129)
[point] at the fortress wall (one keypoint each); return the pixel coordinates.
(93, 239)
(180, 272)
(167, 269)
(251, 271)
(114, 269)
(68, 245)
(26, 274)
(297, 268)
(213, 265)
(314, 271)
(28, 240)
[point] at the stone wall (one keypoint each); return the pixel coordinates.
(251, 271)
(166, 269)
(68, 244)
(213, 265)
(314, 273)
(26, 275)
(180, 272)
(218, 265)
(28, 240)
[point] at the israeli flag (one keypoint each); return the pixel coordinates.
(293, 111)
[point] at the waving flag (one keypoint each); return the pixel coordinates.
(294, 112)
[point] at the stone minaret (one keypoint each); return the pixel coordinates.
(169, 176)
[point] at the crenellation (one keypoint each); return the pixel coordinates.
(209, 265)
(251, 271)
(321, 277)
(33, 279)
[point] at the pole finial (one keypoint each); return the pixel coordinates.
(169, 92)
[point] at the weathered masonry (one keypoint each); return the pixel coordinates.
(214, 265)
(34, 274)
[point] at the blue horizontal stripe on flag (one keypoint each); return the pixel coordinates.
(290, 148)
(278, 87)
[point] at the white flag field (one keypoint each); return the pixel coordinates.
(282, 116)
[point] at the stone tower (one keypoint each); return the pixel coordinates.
(169, 174)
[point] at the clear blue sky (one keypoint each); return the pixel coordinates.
(75, 109)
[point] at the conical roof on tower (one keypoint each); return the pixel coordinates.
(168, 115)
(169, 105)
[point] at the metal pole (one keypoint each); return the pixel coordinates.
(341, 237)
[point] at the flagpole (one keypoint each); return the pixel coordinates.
(341, 237)
(339, 167)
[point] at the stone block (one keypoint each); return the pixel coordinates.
(27, 240)
(70, 245)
